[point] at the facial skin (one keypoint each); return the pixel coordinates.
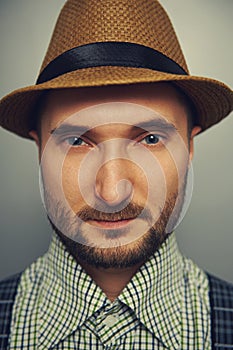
(135, 169)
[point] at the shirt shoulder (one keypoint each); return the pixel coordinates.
(220, 285)
(8, 286)
(221, 301)
(195, 277)
(31, 278)
(8, 290)
(25, 305)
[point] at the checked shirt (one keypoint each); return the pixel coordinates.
(164, 306)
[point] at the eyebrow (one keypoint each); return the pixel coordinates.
(159, 124)
(67, 128)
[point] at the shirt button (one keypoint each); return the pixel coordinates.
(110, 320)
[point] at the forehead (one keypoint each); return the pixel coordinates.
(131, 104)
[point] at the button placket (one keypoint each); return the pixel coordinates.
(105, 322)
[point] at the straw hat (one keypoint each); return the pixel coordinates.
(108, 42)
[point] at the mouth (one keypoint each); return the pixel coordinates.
(116, 224)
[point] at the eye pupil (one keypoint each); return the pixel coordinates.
(152, 139)
(74, 141)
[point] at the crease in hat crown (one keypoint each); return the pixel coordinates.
(142, 22)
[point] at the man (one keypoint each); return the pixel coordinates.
(114, 114)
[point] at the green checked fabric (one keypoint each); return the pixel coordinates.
(164, 306)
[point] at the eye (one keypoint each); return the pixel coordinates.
(151, 139)
(75, 141)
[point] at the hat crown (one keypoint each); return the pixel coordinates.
(143, 22)
(112, 42)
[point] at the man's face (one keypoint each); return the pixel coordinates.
(114, 164)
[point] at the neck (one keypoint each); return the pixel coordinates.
(112, 281)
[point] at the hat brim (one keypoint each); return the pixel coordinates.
(213, 100)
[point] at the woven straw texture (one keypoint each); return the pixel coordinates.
(137, 21)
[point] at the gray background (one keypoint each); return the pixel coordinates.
(205, 30)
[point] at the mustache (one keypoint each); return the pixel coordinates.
(131, 211)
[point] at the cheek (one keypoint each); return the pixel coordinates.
(70, 184)
(171, 176)
(174, 167)
(59, 174)
(51, 169)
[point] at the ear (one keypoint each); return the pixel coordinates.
(35, 137)
(194, 132)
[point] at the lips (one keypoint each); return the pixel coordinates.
(113, 219)
(116, 224)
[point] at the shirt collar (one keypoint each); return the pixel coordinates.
(69, 296)
(155, 293)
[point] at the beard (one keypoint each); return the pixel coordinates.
(120, 256)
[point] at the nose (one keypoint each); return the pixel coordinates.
(114, 184)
